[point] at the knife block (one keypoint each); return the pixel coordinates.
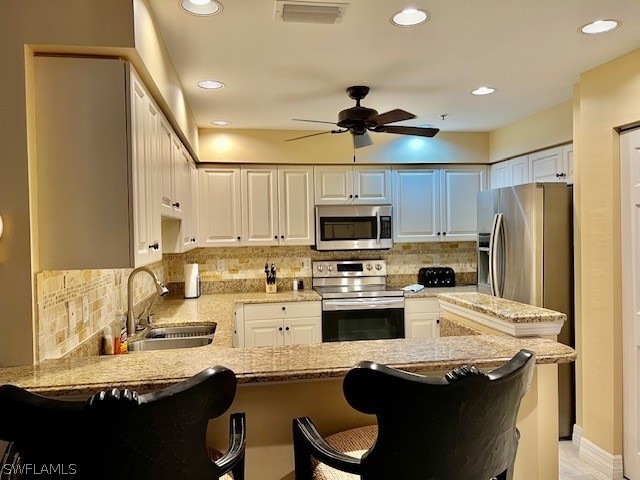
(271, 288)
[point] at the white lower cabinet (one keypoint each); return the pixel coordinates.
(273, 324)
(422, 317)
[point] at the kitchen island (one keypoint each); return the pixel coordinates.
(280, 383)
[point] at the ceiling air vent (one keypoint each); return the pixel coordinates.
(309, 12)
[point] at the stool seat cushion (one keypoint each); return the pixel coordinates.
(354, 442)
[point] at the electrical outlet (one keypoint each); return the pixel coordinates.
(85, 309)
(219, 264)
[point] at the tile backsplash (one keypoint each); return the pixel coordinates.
(73, 307)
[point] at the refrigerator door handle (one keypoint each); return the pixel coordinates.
(495, 238)
(490, 274)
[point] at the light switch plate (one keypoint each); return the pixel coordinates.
(85, 309)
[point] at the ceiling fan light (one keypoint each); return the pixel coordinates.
(211, 84)
(599, 26)
(410, 17)
(201, 7)
(483, 91)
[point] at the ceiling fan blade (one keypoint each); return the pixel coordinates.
(307, 136)
(363, 140)
(312, 121)
(419, 131)
(391, 116)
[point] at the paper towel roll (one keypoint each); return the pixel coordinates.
(191, 281)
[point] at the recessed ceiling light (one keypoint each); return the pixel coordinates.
(599, 26)
(210, 84)
(483, 91)
(221, 123)
(409, 17)
(201, 7)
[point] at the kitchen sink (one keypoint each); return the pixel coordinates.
(167, 338)
(168, 343)
(186, 331)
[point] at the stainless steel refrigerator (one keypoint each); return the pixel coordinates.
(525, 253)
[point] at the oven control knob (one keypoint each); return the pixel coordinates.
(369, 266)
(378, 266)
(320, 268)
(330, 268)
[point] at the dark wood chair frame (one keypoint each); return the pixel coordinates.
(461, 426)
(120, 434)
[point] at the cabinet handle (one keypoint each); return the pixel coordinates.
(193, 240)
(438, 233)
(282, 236)
(284, 308)
(350, 196)
(438, 321)
(287, 329)
(276, 237)
(444, 233)
(357, 195)
(280, 328)
(238, 238)
(155, 246)
(561, 175)
(177, 204)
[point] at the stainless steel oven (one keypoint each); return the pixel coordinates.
(356, 303)
(353, 227)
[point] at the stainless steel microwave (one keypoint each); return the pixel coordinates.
(353, 227)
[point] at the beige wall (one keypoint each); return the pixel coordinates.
(269, 146)
(608, 97)
(69, 23)
(550, 127)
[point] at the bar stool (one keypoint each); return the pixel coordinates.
(461, 426)
(119, 434)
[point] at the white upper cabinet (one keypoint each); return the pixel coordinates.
(256, 205)
(259, 200)
(170, 156)
(519, 170)
(295, 206)
(416, 205)
(220, 217)
(436, 204)
(360, 185)
(500, 175)
(547, 166)
(459, 194)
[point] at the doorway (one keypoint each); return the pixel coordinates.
(630, 225)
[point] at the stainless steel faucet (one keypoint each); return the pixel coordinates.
(161, 290)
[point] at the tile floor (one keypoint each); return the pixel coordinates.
(571, 468)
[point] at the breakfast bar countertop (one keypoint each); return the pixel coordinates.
(151, 370)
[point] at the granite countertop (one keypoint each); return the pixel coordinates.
(506, 310)
(434, 292)
(150, 370)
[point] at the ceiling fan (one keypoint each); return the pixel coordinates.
(360, 120)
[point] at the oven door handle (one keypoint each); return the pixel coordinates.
(379, 226)
(362, 304)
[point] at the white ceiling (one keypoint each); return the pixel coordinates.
(529, 50)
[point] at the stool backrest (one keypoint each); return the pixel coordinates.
(461, 426)
(118, 433)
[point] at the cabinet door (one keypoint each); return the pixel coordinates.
(152, 163)
(567, 163)
(194, 205)
(219, 200)
(371, 186)
(459, 188)
(295, 206)
(500, 175)
(180, 155)
(263, 332)
(546, 166)
(184, 178)
(298, 331)
(333, 185)
(416, 205)
(519, 169)
(259, 206)
(422, 325)
(167, 168)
